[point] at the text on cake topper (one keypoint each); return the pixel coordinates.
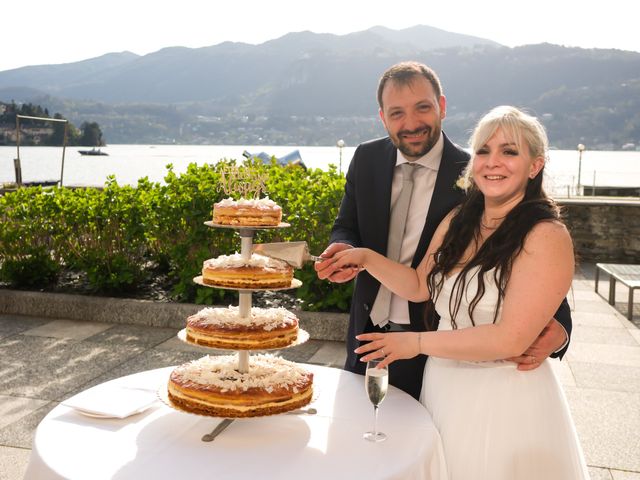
(243, 182)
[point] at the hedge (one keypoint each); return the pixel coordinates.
(117, 236)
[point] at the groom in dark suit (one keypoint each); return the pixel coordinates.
(412, 108)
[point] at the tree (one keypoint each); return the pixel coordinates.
(57, 137)
(91, 135)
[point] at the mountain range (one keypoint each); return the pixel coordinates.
(312, 89)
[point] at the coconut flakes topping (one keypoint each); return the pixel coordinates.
(265, 371)
(236, 260)
(260, 203)
(267, 318)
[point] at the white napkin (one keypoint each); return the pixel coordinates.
(112, 401)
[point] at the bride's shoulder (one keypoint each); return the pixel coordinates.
(547, 237)
(549, 228)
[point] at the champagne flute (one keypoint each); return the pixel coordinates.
(376, 383)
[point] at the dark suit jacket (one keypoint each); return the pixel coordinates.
(363, 221)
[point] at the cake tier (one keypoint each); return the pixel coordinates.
(257, 272)
(264, 328)
(213, 386)
(247, 212)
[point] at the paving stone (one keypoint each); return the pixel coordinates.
(622, 306)
(627, 324)
(606, 377)
(15, 324)
(20, 433)
(589, 286)
(49, 368)
(13, 409)
(608, 425)
(562, 369)
(13, 462)
(600, 473)
(75, 329)
(594, 306)
(604, 354)
(596, 320)
(577, 295)
(137, 335)
(620, 475)
(603, 335)
(330, 354)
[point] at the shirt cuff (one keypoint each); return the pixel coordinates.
(566, 340)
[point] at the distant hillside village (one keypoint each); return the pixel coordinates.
(42, 132)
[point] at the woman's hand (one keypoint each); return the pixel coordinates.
(390, 346)
(352, 257)
(326, 268)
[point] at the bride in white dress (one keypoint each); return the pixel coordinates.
(495, 421)
(497, 268)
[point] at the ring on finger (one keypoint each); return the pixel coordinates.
(382, 351)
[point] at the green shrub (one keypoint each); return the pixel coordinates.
(28, 255)
(103, 234)
(114, 234)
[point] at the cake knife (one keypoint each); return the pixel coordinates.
(218, 430)
(294, 253)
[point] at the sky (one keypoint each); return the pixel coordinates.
(37, 32)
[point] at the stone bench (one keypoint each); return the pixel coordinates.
(628, 275)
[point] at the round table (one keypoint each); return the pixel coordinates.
(164, 443)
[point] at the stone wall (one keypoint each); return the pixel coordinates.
(604, 230)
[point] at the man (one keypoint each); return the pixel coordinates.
(412, 108)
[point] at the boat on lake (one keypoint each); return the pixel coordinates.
(93, 151)
(291, 158)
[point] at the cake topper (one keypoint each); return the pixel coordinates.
(243, 182)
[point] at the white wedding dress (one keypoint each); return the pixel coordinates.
(496, 422)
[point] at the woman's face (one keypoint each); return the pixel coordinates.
(501, 170)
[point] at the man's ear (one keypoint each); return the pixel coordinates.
(443, 106)
(382, 119)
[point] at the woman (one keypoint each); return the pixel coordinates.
(501, 263)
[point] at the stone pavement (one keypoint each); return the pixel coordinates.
(45, 360)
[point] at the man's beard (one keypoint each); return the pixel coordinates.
(409, 151)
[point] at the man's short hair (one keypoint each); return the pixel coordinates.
(403, 73)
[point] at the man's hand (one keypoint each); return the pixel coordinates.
(550, 340)
(326, 269)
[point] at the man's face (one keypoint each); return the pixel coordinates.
(413, 116)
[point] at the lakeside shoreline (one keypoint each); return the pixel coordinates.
(131, 162)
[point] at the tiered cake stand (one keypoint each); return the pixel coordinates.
(246, 237)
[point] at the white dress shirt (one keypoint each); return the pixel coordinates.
(424, 181)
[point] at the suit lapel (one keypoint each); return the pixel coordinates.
(382, 178)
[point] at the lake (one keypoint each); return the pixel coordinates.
(131, 162)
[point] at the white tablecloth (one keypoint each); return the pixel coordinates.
(164, 443)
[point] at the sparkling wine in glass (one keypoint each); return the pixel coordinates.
(376, 383)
